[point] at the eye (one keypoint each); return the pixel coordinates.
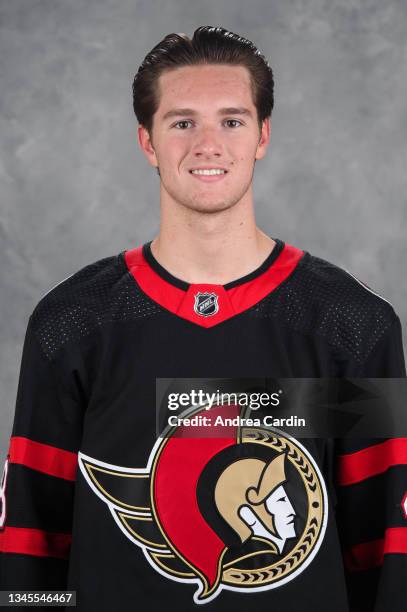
(282, 499)
(183, 121)
(235, 120)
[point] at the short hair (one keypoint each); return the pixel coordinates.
(209, 45)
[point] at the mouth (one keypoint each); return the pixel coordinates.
(209, 176)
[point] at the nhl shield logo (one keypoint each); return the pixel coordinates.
(248, 514)
(206, 304)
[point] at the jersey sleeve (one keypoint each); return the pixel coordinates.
(372, 500)
(38, 482)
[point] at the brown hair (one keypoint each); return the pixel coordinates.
(209, 45)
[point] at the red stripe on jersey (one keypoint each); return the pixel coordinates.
(35, 542)
(370, 554)
(364, 556)
(230, 302)
(396, 540)
(43, 458)
(368, 462)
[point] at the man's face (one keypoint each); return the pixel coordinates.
(211, 134)
(284, 514)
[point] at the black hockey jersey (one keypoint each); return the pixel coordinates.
(93, 500)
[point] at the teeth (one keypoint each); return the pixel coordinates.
(208, 172)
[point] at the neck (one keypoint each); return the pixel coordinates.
(214, 248)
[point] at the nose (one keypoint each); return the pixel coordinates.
(292, 510)
(208, 143)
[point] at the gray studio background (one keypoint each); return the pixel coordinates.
(76, 188)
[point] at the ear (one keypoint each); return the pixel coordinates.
(264, 138)
(146, 145)
(247, 514)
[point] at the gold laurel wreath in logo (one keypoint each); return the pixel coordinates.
(282, 568)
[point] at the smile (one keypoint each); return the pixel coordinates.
(209, 175)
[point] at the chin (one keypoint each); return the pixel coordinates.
(290, 533)
(209, 207)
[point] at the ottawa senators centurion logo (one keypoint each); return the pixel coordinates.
(244, 511)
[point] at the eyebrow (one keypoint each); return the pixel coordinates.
(183, 112)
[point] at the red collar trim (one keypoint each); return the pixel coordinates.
(217, 305)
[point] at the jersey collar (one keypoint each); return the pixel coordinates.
(207, 304)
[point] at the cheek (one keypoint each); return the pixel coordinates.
(170, 147)
(244, 158)
(175, 153)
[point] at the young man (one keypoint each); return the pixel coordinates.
(92, 500)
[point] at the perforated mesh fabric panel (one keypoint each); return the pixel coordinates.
(99, 293)
(321, 298)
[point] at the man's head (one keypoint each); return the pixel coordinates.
(204, 102)
(255, 486)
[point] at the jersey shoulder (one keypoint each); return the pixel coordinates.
(325, 300)
(351, 314)
(100, 292)
(332, 279)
